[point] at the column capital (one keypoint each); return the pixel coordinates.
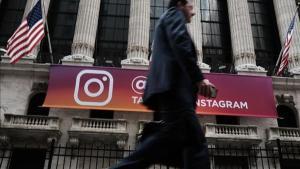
(138, 49)
(250, 69)
(247, 66)
(78, 59)
(204, 67)
(295, 71)
(135, 63)
(80, 45)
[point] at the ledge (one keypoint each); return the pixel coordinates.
(232, 134)
(90, 130)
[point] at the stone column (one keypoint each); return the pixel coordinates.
(284, 11)
(85, 33)
(196, 33)
(242, 39)
(138, 37)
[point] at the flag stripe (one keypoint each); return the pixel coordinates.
(27, 36)
(27, 49)
(18, 42)
(23, 24)
(22, 33)
(285, 52)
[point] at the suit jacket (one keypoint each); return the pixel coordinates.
(174, 61)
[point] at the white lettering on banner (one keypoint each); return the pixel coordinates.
(222, 104)
(207, 103)
(137, 99)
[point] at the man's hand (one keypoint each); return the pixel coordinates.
(205, 88)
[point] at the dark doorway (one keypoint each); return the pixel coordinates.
(290, 164)
(35, 105)
(287, 117)
(27, 159)
(227, 162)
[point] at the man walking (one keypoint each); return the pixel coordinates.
(173, 83)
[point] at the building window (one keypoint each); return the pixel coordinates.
(61, 18)
(102, 114)
(112, 34)
(158, 7)
(287, 117)
(35, 105)
(11, 14)
(265, 33)
(216, 35)
(231, 120)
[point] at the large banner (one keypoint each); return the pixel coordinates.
(106, 88)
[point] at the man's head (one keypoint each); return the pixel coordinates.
(185, 6)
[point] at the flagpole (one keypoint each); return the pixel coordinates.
(281, 50)
(278, 59)
(47, 30)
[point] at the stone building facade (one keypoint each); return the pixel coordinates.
(23, 84)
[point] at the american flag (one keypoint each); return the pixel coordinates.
(27, 36)
(285, 51)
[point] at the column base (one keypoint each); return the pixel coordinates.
(250, 69)
(295, 72)
(27, 59)
(78, 59)
(205, 68)
(135, 63)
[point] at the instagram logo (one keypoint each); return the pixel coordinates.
(138, 84)
(93, 88)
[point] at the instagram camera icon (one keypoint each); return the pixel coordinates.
(93, 88)
(138, 84)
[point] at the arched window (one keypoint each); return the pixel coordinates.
(112, 33)
(61, 19)
(216, 35)
(287, 116)
(11, 14)
(35, 105)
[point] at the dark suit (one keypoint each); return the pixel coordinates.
(171, 90)
(174, 60)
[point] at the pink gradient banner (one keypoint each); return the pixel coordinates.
(106, 88)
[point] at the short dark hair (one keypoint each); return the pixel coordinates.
(173, 3)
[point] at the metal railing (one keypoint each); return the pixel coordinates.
(283, 156)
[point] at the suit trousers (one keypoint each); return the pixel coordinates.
(180, 143)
